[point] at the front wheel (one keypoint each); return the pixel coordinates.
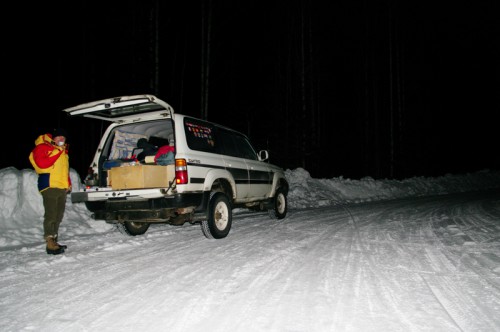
(133, 228)
(280, 205)
(219, 218)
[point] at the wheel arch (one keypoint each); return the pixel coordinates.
(280, 181)
(220, 180)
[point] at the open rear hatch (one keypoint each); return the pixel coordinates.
(115, 171)
(121, 108)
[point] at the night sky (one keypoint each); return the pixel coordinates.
(387, 89)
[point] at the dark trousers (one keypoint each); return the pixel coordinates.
(54, 203)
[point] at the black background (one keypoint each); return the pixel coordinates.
(387, 89)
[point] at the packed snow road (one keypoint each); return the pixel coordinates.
(430, 263)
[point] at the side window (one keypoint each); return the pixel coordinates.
(244, 148)
(199, 135)
(233, 144)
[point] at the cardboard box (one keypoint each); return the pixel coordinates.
(141, 176)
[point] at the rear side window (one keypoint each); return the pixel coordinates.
(123, 144)
(199, 135)
(207, 137)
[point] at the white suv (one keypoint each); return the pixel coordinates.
(189, 170)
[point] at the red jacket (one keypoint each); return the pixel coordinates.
(51, 163)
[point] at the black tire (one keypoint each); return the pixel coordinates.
(133, 228)
(280, 205)
(219, 217)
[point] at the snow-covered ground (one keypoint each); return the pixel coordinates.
(422, 254)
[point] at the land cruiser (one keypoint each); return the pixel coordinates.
(153, 165)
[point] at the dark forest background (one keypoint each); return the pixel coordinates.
(387, 89)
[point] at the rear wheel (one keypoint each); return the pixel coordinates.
(280, 205)
(219, 217)
(133, 228)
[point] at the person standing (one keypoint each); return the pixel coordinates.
(50, 160)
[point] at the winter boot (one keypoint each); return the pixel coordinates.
(52, 247)
(60, 245)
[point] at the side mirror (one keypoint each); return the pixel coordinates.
(263, 155)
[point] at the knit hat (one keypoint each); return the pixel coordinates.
(59, 132)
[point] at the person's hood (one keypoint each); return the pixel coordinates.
(44, 138)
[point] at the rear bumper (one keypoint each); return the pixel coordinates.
(136, 207)
(104, 194)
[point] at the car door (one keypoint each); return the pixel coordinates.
(234, 161)
(260, 174)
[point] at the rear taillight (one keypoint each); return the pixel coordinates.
(181, 173)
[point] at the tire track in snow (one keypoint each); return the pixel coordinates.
(289, 261)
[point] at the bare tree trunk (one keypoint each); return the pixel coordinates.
(155, 45)
(303, 113)
(395, 94)
(400, 101)
(315, 122)
(391, 98)
(206, 17)
(203, 58)
(183, 72)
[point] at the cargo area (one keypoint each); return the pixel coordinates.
(141, 176)
(136, 156)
